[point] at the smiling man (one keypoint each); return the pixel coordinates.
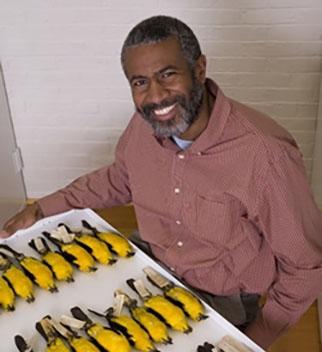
(219, 189)
(168, 92)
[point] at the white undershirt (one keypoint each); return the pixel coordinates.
(182, 143)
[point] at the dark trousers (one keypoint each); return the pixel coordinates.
(240, 309)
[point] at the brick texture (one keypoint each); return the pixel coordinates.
(317, 157)
(70, 101)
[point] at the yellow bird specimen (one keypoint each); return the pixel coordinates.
(61, 268)
(179, 295)
(117, 243)
(161, 306)
(18, 280)
(38, 271)
(153, 325)
(52, 329)
(7, 296)
(73, 252)
(80, 257)
(80, 344)
(98, 249)
(109, 339)
(57, 345)
(54, 342)
(137, 336)
(133, 332)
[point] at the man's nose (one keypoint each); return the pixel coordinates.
(156, 93)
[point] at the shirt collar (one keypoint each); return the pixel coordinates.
(217, 120)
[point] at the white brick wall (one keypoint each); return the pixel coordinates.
(70, 101)
(317, 159)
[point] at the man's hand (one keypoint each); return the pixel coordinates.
(25, 218)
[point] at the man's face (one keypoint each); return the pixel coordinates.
(165, 90)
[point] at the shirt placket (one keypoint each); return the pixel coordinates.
(172, 254)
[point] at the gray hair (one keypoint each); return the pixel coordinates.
(158, 28)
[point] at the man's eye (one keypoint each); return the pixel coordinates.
(139, 83)
(167, 74)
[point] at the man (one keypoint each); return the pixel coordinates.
(219, 190)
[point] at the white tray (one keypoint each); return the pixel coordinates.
(95, 290)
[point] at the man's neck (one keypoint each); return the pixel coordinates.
(200, 124)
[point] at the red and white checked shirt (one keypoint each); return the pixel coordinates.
(232, 213)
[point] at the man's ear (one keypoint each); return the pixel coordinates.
(200, 69)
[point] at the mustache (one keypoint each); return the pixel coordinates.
(148, 109)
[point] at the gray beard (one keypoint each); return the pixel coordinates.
(188, 106)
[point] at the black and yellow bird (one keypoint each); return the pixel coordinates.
(179, 295)
(109, 339)
(117, 243)
(37, 271)
(159, 305)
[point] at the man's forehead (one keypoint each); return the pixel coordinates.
(171, 41)
(154, 56)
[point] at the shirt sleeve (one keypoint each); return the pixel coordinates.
(292, 224)
(102, 188)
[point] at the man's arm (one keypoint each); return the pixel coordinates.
(102, 188)
(292, 225)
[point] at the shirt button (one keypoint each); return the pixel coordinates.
(180, 244)
(178, 222)
(180, 156)
(172, 268)
(199, 153)
(177, 190)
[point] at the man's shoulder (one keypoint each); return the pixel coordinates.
(135, 127)
(135, 120)
(265, 130)
(269, 145)
(139, 124)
